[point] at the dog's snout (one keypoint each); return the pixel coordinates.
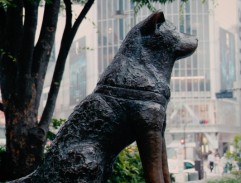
(186, 46)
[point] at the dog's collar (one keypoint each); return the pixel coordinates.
(132, 94)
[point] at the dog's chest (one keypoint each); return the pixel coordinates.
(139, 79)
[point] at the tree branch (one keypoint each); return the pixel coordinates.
(29, 30)
(2, 25)
(12, 34)
(44, 46)
(68, 11)
(66, 42)
(82, 15)
(25, 59)
(1, 107)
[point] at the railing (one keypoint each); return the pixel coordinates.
(2, 135)
(202, 128)
(2, 131)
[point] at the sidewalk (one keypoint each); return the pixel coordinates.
(217, 173)
(213, 177)
(208, 175)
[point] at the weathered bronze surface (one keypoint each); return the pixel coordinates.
(128, 104)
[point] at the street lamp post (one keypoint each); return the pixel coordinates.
(183, 140)
(184, 145)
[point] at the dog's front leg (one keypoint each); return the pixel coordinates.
(151, 143)
(165, 169)
(150, 148)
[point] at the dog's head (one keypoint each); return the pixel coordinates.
(163, 34)
(158, 35)
(147, 55)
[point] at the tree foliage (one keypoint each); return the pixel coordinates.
(225, 179)
(54, 126)
(236, 154)
(149, 3)
(127, 167)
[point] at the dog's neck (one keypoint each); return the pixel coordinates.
(136, 67)
(160, 64)
(133, 94)
(134, 73)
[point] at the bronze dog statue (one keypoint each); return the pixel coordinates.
(128, 104)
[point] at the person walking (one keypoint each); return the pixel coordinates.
(224, 164)
(217, 163)
(211, 160)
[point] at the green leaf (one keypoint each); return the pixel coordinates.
(128, 167)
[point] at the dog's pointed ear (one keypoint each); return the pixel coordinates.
(153, 22)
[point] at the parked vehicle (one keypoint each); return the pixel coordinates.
(189, 166)
(174, 167)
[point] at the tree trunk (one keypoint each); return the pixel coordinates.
(25, 143)
(23, 68)
(22, 71)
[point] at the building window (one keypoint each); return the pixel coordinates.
(77, 72)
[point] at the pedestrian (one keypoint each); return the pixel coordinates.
(211, 160)
(217, 163)
(224, 164)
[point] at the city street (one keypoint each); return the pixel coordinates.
(208, 175)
